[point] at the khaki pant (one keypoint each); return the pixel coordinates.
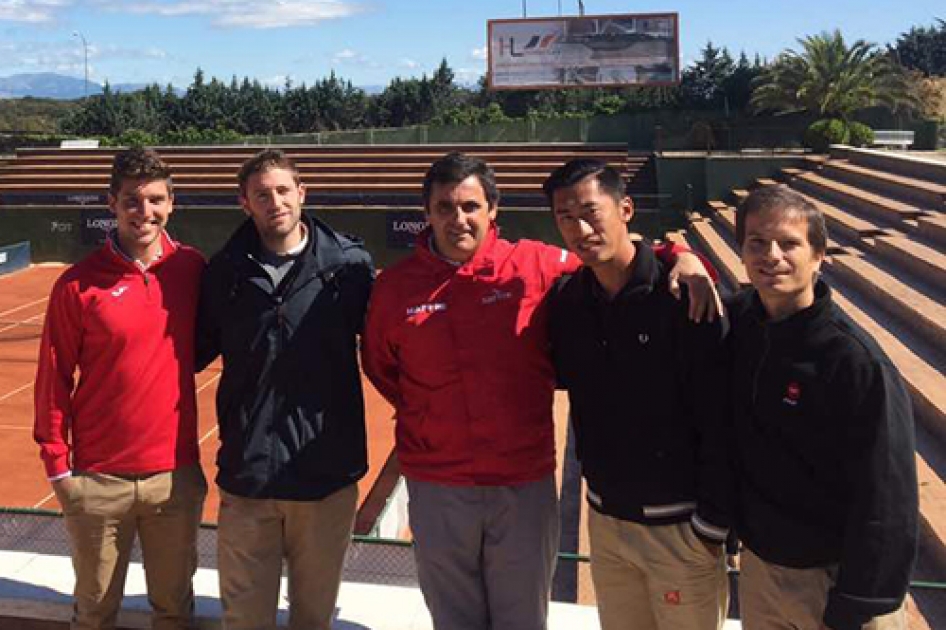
(255, 535)
(103, 513)
(773, 597)
(656, 576)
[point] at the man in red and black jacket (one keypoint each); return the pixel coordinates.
(456, 339)
(120, 447)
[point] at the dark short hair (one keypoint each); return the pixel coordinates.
(455, 167)
(573, 171)
(138, 164)
(266, 160)
(782, 199)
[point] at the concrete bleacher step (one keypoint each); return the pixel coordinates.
(922, 193)
(739, 195)
(925, 315)
(720, 253)
(849, 225)
(762, 182)
(851, 197)
(788, 173)
(933, 229)
(926, 263)
(914, 166)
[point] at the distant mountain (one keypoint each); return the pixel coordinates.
(56, 86)
(45, 85)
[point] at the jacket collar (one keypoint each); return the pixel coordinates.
(798, 325)
(645, 274)
(168, 248)
(483, 258)
(322, 252)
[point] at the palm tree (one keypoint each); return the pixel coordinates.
(831, 80)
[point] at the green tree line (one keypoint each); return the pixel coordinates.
(824, 75)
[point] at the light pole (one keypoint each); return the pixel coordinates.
(85, 49)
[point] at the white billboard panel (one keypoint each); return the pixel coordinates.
(589, 51)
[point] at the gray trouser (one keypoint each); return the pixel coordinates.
(485, 554)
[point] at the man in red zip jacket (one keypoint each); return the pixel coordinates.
(120, 447)
(456, 339)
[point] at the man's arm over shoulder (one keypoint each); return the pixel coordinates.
(880, 539)
(55, 377)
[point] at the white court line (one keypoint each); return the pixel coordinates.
(44, 500)
(207, 435)
(16, 391)
(15, 427)
(27, 305)
(12, 326)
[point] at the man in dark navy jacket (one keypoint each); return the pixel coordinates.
(283, 303)
(824, 441)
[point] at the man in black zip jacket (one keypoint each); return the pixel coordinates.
(283, 303)
(824, 442)
(647, 393)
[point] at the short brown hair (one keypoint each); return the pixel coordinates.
(265, 160)
(780, 198)
(138, 164)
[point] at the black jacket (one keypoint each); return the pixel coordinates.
(290, 405)
(647, 397)
(824, 454)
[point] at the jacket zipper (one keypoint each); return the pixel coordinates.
(758, 368)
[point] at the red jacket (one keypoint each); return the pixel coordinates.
(130, 334)
(462, 354)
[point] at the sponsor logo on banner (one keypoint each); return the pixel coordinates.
(96, 224)
(403, 227)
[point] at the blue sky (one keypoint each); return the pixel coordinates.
(372, 41)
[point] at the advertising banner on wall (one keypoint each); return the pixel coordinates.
(96, 224)
(403, 227)
(587, 51)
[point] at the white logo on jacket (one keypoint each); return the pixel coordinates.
(118, 292)
(432, 307)
(495, 296)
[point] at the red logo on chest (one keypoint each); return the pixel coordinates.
(792, 394)
(672, 598)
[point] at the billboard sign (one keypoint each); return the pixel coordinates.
(96, 224)
(587, 51)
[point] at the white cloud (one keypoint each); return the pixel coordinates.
(410, 64)
(32, 11)
(479, 54)
(261, 14)
(347, 57)
(68, 57)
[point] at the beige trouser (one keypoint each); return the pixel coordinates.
(773, 597)
(656, 576)
(255, 535)
(104, 512)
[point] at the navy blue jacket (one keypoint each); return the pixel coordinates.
(290, 405)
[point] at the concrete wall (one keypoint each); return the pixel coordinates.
(686, 181)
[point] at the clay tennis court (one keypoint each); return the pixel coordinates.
(23, 299)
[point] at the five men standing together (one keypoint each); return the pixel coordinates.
(466, 338)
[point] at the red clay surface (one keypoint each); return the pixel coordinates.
(23, 484)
